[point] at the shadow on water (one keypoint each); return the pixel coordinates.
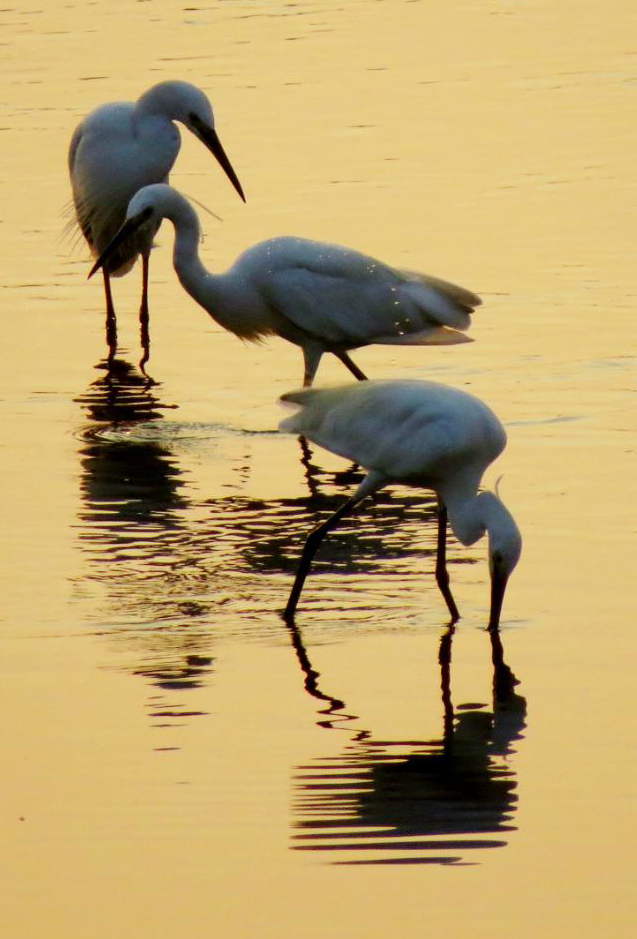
(414, 802)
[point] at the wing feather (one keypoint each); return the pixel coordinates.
(344, 298)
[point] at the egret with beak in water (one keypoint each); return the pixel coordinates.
(322, 297)
(418, 433)
(118, 149)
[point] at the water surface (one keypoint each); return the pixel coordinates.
(177, 758)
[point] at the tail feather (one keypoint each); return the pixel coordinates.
(433, 336)
(293, 423)
(465, 299)
(300, 396)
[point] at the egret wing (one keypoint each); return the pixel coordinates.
(390, 427)
(73, 146)
(341, 297)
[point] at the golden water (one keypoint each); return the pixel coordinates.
(176, 758)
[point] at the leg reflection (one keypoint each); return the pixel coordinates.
(311, 683)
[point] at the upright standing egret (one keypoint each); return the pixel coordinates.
(421, 434)
(322, 297)
(118, 149)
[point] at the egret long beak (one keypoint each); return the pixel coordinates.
(498, 587)
(208, 136)
(128, 228)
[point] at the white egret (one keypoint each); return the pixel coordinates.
(322, 297)
(418, 433)
(118, 149)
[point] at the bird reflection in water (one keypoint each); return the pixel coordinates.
(332, 709)
(397, 802)
(132, 527)
(184, 673)
(128, 478)
(121, 395)
(167, 567)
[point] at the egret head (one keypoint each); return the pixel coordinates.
(177, 100)
(150, 204)
(505, 547)
(185, 103)
(143, 216)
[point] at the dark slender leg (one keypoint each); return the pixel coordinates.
(311, 358)
(442, 577)
(111, 321)
(444, 658)
(144, 318)
(354, 369)
(309, 550)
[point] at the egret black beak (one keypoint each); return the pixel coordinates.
(498, 587)
(208, 136)
(128, 228)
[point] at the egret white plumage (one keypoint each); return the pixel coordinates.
(417, 433)
(322, 297)
(123, 146)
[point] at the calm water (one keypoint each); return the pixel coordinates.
(176, 757)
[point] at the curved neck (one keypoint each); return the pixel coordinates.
(191, 272)
(157, 101)
(149, 105)
(470, 516)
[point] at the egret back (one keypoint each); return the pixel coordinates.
(417, 431)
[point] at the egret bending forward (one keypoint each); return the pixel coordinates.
(322, 297)
(421, 434)
(121, 147)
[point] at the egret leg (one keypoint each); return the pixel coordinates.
(310, 548)
(442, 577)
(444, 658)
(352, 366)
(111, 321)
(144, 319)
(311, 358)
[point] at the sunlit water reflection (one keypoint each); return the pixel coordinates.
(166, 564)
(162, 550)
(409, 801)
(151, 529)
